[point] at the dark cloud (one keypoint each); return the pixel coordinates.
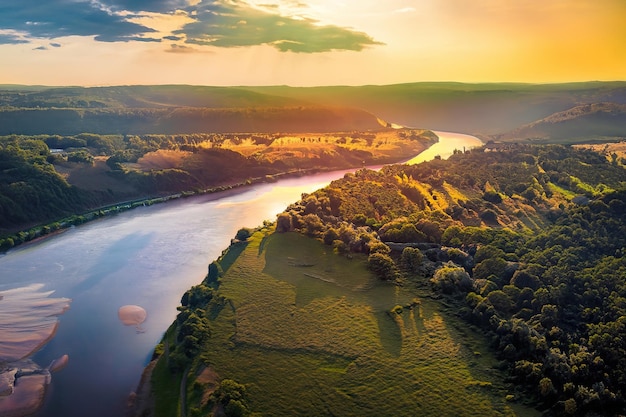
(55, 45)
(233, 24)
(158, 6)
(219, 23)
(40, 48)
(53, 19)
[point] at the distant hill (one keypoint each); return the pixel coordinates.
(589, 121)
(184, 120)
(480, 109)
(137, 96)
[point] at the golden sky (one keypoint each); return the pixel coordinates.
(303, 43)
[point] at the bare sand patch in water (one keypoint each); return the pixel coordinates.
(28, 320)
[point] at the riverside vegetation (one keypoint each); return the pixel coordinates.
(68, 150)
(45, 178)
(366, 297)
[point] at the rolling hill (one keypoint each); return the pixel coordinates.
(183, 120)
(581, 123)
(479, 109)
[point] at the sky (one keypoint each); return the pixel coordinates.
(310, 43)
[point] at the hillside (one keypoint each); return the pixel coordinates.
(137, 96)
(586, 123)
(183, 120)
(523, 245)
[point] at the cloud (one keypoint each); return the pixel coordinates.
(217, 23)
(9, 38)
(40, 48)
(236, 24)
(55, 45)
(159, 6)
(53, 19)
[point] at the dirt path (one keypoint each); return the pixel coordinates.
(183, 393)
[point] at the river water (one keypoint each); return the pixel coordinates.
(149, 257)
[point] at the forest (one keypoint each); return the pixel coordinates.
(524, 243)
(48, 178)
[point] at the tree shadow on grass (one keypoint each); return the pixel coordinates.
(230, 255)
(390, 334)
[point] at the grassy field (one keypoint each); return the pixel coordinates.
(310, 333)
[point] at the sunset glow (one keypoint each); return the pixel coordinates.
(317, 42)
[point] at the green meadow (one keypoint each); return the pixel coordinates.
(309, 333)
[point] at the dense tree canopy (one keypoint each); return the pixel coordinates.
(534, 255)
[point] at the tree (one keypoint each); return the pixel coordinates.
(243, 234)
(283, 223)
(312, 224)
(215, 272)
(500, 301)
(492, 197)
(524, 279)
(383, 266)
(489, 267)
(451, 279)
(412, 259)
(546, 388)
(330, 235)
(489, 216)
(81, 156)
(486, 252)
(232, 396)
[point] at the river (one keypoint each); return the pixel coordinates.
(149, 257)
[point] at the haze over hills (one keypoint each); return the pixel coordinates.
(595, 121)
(479, 109)
(492, 110)
(184, 120)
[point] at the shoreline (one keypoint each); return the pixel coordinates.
(141, 402)
(43, 231)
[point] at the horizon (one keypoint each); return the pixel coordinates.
(486, 83)
(310, 44)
